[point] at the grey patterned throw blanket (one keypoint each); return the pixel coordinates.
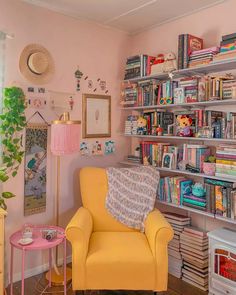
(131, 194)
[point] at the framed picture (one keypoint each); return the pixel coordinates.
(167, 160)
(96, 116)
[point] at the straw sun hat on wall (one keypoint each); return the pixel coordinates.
(36, 64)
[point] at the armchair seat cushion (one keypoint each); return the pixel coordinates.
(120, 260)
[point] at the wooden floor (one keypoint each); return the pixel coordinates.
(176, 287)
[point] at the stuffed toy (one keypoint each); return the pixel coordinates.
(170, 63)
(157, 65)
(184, 123)
(141, 126)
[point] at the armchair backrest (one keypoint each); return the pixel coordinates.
(94, 187)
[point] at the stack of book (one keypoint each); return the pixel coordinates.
(202, 57)
(195, 155)
(190, 86)
(221, 197)
(138, 66)
(194, 250)
(129, 94)
(172, 189)
(226, 161)
(187, 44)
(131, 125)
(227, 48)
(178, 222)
(192, 201)
(229, 89)
(134, 159)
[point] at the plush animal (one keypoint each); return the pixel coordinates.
(198, 190)
(184, 123)
(170, 63)
(141, 126)
(157, 65)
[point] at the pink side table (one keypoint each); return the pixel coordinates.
(38, 244)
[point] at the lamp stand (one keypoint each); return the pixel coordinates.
(57, 274)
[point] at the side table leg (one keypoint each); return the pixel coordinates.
(23, 273)
(50, 267)
(11, 270)
(64, 264)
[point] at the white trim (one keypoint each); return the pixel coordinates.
(37, 270)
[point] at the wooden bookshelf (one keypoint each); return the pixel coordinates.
(202, 104)
(213, 67)
(221, 140)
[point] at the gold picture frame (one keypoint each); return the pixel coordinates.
(96, 116)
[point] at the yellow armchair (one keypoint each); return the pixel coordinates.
(108, 255)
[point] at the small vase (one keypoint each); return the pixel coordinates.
(209, 168)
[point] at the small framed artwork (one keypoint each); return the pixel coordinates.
(167, 160)
(96, 116)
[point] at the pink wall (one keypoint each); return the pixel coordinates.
(100, 53)
(210, 24)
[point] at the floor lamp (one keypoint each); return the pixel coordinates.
(65, 140)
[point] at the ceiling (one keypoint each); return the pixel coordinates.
(131, 16)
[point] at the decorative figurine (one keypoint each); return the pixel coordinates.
(170, 63)
(78, 76)
(141, 126)
(184, 126)
(159, 131)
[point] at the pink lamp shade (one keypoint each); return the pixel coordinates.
(65, 137)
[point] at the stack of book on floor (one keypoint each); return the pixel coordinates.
(226, 161)
(131, 125)
(194, 251)
(202, 57)
(178, 222)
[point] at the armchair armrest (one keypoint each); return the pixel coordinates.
(78, 232)
(159, 232)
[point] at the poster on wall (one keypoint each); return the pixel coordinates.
(35, 169)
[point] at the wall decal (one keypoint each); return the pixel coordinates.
(78, 76)
(41, 90)
(90, 84)
(37, 102)
(84, 149)
(102, 85)
(96, 148)
(30, 89)
(109, 147)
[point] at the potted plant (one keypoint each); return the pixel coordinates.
(209, 165)
(12, 123)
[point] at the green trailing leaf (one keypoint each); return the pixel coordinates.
(12, 123)
(8, 195)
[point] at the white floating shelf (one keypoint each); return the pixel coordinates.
(200, 104)
(182, 172)
(213, 67)
(204, 213)
(182, 138)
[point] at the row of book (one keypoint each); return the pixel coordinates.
(175, 261)
(226, 161)
(194, 247)
(219, 198)
(185, 90)
(204, 124)
(138, 66)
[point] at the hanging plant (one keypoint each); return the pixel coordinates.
(12, 123)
